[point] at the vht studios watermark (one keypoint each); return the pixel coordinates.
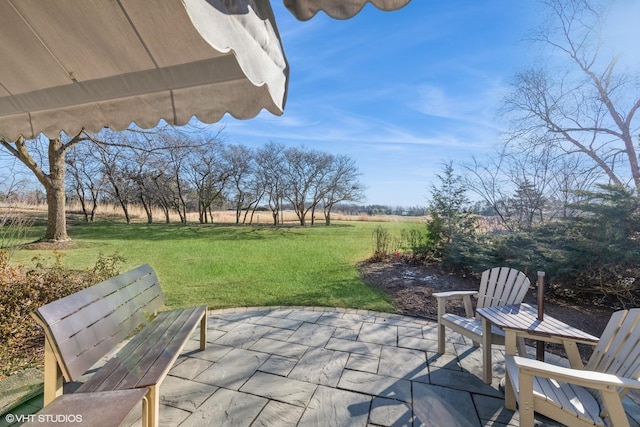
(42, 418)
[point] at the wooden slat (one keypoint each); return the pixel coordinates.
(523, 287)
(524, 317)
(123, 302)
(84, 326)
(172, 350)
(148, 356)
(501, 287)
(518, 285)
(108, 325)
(155, 345)
(486, 288)
(621, 343)
(78, 365)
(600, 351)
(109, 371)
(63, 307)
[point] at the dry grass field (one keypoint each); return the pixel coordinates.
(138, 215)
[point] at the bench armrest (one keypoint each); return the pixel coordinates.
(590, 379)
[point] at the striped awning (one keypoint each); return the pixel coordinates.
(86, 64)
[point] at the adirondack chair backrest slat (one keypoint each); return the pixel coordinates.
(618, 351)
(502, 286)
(619, 342)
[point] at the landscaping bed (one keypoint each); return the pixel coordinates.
(410, 287)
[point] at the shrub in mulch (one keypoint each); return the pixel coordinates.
(23, 289)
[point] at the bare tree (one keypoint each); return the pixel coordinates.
(176, 150)
(270, 167)
(528, 183)
(241, 166)
(305, 170)
(587, 104)
(86, 179)
(141, 172)
(342, 185)
(114, 158)
(53, 181)
(208, 172)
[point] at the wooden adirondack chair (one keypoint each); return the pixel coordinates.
(498, 286)
(581, 397)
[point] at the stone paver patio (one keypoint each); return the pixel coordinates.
(302, 366)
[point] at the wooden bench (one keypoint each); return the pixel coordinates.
(84, 327)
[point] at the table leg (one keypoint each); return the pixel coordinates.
(487, 373)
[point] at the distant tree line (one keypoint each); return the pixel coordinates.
(177, 173)
(358, 209)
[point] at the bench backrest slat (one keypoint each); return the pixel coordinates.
(101, 335)
(85, 326)
(112, 308)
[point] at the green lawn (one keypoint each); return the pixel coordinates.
(231, 266)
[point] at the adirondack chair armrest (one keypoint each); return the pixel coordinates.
(465, 296)
(454, 295)
(589, 379)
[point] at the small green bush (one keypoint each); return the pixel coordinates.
(385, 245)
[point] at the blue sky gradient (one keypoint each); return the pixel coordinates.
(400, 92)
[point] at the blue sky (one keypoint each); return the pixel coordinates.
(400, 92)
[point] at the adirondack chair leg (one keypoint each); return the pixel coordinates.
(526, 400)
(203, 331)
(614, 408)
(52, 374)
(509, 394)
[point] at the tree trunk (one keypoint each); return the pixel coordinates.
(94, 207)
(54, 186)
(327, 215)
(148, 209)
(56, 215)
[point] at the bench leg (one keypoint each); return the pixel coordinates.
(151, 414)
(52, 374)
(203, 331)
(145, 409)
